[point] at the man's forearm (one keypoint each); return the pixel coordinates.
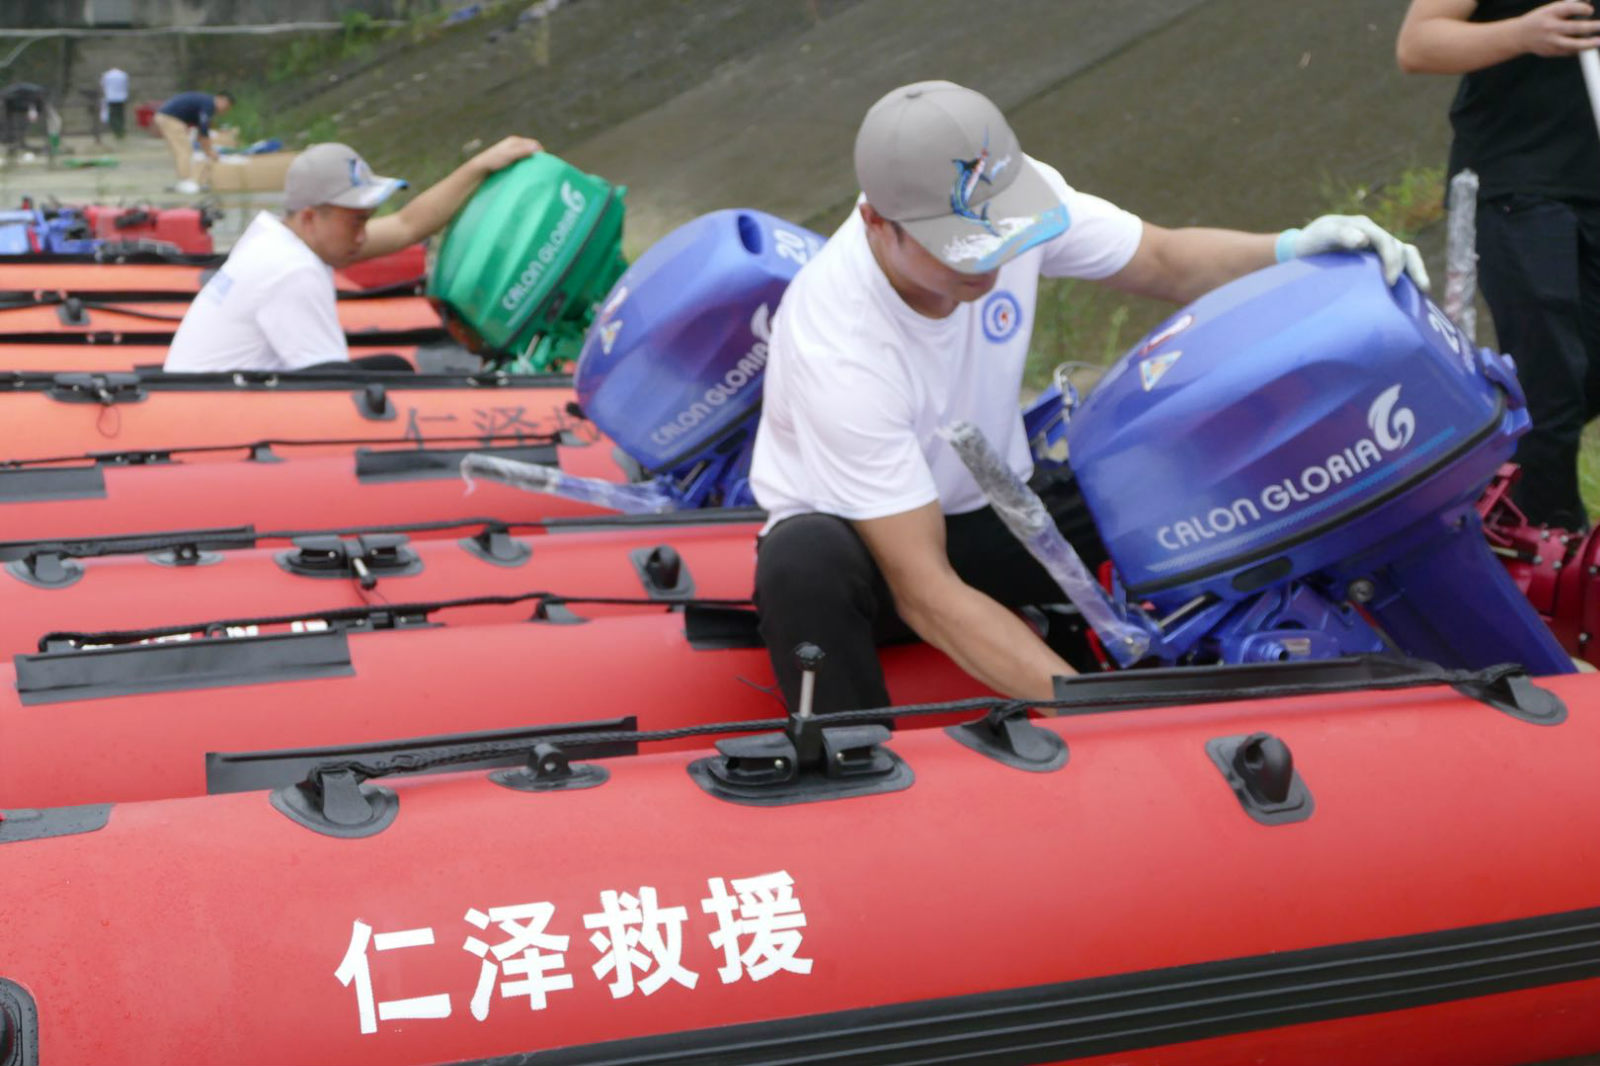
(1455, 46)
(426, 214)
(988, 641)
(1195, 260)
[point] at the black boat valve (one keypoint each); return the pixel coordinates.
(373, 403)
(808, 761)
(662, 572)
(1260, 769)
(72, 313)
(1266, 766)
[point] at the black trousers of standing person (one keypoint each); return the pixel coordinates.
(117, 118)
(389, 361)
(816, 581)
(1539, 269)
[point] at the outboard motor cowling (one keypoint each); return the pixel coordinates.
(1312, 430)
(673, 366)
(517, 274)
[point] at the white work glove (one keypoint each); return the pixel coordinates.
(1354, 233)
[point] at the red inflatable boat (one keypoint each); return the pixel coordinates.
(155, 274)
(27, 320)
(62, 416)
(269, 485)
(166, 579)
(1372, 874)
(137, 721)
(118, 356)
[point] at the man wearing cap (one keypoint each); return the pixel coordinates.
(272, 305)
(185, 116)
(917, 313)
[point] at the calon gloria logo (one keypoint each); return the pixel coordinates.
(746, 370)
(1391, 429)
(574, 201)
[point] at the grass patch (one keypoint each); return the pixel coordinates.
(1404, 205)
(305, 56)
(1078, 321)
(1589, 470)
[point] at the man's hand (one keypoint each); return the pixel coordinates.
(1355, 233)
(1563, 28)
(504, 153)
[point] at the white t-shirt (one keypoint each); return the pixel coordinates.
(858, 384)
(272, 306)
(114, 85)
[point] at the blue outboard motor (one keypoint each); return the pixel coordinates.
(1287, 469)
(17, 235)
(66, 231)
(673, 365)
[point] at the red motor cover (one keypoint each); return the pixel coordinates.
(1122, 908)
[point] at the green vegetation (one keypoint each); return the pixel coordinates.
(1084, 322)
(1405, 205)
(309, 55)
(1589, 470)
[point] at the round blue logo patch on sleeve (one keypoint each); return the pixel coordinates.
(1001, 315)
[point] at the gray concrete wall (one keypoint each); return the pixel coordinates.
(52, 14)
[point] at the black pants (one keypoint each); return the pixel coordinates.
(117, 118)
(1539, 269)
(816, 581)
(390, 361)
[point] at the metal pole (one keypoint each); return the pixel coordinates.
(1461, 255)
(1590, 62)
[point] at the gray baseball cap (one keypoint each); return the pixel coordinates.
(941, 160)
(335, 174)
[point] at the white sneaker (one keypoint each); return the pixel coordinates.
(188, 186)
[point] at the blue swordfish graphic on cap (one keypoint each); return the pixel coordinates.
(969, 172)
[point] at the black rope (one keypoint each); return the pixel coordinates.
(526, 440)
(1428, 675)
(310, 380)
(239, 537)
(57, 298)
(366, 613)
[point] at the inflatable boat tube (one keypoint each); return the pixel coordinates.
(1116, 894)
(59, 416)
(132, 582)
(274, 484)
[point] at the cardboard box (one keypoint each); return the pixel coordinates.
(251, 173)
(225, 137)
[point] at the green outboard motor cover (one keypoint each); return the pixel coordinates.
(524, 262)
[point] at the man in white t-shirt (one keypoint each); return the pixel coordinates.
(273, 304)
(114, 101)
(916, 313)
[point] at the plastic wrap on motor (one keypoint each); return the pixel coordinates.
(644, 498)
(1461, 255)
(1029, 520)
